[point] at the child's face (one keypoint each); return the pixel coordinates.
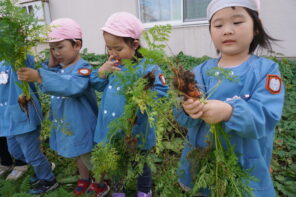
(232, 31)
(64, 52)
(118, 48)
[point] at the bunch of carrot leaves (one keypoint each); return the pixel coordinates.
(19, 33)
(215, 167)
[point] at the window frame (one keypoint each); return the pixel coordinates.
(175, 23)
(42, 13)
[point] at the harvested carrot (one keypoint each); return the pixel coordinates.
(150, 77)
(23, 101)
(184, 81)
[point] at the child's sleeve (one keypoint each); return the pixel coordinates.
(184, 119)
(73, 84)
(96, 82)
(257, 116)
(53, 69)
(180, 115)
(159, 84)
(30, 61)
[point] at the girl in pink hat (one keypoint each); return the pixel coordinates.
(73, 102)
(122, 32)
(248, 108)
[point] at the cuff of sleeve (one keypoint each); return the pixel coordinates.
(43, 79)
(41, 87)
(229, 125)
(240, 120)
(96, 78)
(184, 119)
(54, 69)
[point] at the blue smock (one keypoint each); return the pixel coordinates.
(112, 105)
(256, 111)
(13, 121)
(73, 108)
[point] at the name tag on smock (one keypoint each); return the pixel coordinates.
(3, 78)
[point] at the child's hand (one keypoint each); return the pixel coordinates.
(110, 66)
(52, 60)
(28, 74)
(194, 108)
(215, 111)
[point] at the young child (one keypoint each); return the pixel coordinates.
(122, 32)
(73, 102)
(6, 164)
(22, 129)
(248, 109)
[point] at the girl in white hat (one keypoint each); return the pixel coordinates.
(248, 109)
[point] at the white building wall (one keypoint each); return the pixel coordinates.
(278, 17)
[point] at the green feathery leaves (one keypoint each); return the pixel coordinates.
(19, 33)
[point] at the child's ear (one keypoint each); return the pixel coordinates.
(78, 43)
(136, 44)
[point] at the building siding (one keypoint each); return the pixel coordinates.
(278, 18)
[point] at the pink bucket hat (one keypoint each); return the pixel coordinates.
(64, 28)
(124, 24)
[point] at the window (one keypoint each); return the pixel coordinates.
(39, 9)
(175, 12)
(30, 9)
(195, 10)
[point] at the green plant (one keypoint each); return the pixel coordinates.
(106, 153)
(217, 168)
(140, 100)
(284, 155)
(19, 33)
(166, 179)
(92, 58)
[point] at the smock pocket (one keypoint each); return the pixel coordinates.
(260, 172)
(15, 114)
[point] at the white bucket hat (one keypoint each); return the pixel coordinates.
(216, 5)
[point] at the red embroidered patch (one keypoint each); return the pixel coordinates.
(162, 79)
(84, 71)
(273, 84)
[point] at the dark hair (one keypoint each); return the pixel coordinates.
(130, 41)
(260, 38)
(73, 41)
